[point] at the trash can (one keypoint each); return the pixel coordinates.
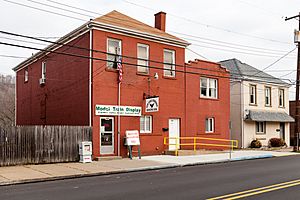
(85, 151)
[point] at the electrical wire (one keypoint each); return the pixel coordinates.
(214, 27)
(108, 17)
(129, 64)
(125, 56)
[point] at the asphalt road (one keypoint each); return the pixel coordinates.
(193, 182)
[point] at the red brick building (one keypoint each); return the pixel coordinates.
(75, 82)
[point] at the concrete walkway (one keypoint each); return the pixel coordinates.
(43, 172)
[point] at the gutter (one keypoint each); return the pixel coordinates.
(101, 26)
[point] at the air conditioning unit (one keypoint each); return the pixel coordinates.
(42, 81)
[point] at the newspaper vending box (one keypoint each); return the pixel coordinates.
(85, 151)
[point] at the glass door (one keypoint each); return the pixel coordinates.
(106, 135)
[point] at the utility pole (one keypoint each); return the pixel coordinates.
(296, 131)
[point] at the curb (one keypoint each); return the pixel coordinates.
(168, 166)
(252, 157)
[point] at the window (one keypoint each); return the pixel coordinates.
(209, 125)
(114, 51)
(169, 63)
(26, 75)
(281, 97)
(146, 124)
(143, 57)
(252, 94)
(43, 70)
(208, 87)
(267, 96)
(260, 127)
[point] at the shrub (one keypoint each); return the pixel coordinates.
(276, 142)
(255, 144)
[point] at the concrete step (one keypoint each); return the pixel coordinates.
(192, 152)
(105, 158)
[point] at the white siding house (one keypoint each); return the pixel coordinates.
(259, 105)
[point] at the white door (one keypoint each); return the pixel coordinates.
(174, 134)
(106, 135)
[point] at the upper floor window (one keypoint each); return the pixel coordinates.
(267, 96)
(26, 75)
(169, 63)
(252, 94)
(143, 57)
(146, 124)
(43, 70)
(208, 87)
(113, 52)
(209, 125)
(281, 97)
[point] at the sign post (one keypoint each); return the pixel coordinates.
(133, 139)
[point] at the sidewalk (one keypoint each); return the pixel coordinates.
(43, 172)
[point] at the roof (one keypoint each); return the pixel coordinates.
(118, 19)
(114, 22)
(268, 116)
(243, 71)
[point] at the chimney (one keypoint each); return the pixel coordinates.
(160, 21)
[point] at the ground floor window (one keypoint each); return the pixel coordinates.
(209, 125)
(261, 127)
(146, 124)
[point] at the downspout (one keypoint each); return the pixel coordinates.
(90, 76)
(243, 112)
(185, 101)
(16, 99)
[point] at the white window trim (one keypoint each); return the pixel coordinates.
(173, 64)
(264, 127)
(270, 96)
(255, 93)
(107, 47)
(147, 57)
(208, 87)
(44, 69)
(146, 131)
(283, 98)
(213, 125)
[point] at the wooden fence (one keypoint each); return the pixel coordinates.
(41, 144)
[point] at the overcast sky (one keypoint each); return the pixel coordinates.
(253, 31)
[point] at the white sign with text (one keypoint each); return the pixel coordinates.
(152, 104)
(132, 137)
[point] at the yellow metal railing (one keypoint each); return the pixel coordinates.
(176, 141)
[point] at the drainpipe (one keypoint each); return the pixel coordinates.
(90, 77)
(243, 112)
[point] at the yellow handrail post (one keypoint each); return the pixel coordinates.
(195, 143)
(176, 146)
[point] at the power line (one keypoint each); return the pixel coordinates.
(131, 64)
(11, 56)
(240, 52)
(44, 4)
(197, 53)
(124, 56)
(275, 52)
(276, 61)
(6, 38)
(69, 6)
(215, 27)
(86, 11)
(40, 9)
